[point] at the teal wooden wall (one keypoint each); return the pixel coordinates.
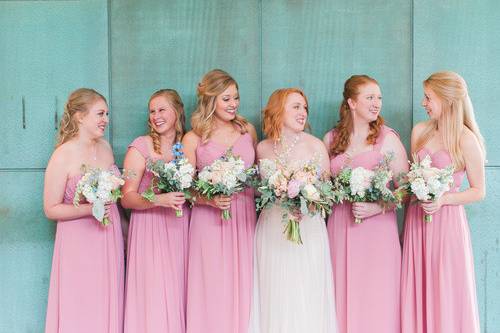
(127, 49)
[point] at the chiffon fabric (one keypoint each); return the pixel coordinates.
(87, 277)
(220, 254)
(366, 258)
(438, 292)
(293, 286)
(157, 265)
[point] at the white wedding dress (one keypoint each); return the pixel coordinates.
(293, 283)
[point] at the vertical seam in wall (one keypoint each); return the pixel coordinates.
(412, 42)
(260, 69)
(108, 4)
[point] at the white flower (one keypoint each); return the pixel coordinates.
(310, 192)
(419, 188)
(426, 162)
(360, 181)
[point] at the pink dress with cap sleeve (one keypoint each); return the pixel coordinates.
(155, 298)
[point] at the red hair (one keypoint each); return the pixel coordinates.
(344, 127)
(272, 114)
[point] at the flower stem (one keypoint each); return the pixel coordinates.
(226, 214)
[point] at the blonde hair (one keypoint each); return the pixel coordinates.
(272, 114)
(79, 102)
(175, 101)
(212, 85)
(344, 127)
(456, 112)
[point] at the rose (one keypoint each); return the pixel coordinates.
(293, 189)
(311, 193)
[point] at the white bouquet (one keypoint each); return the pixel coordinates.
(363, 185)
(428, 183)
(98, 187)
(174, 176)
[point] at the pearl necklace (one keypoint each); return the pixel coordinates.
(282, 156)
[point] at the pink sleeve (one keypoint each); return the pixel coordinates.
(329, 138)
(141, 145)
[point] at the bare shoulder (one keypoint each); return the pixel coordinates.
(264, 149)
(468, 141)
(63, 153)
(419, 128)
(313, 142)
(191, 139)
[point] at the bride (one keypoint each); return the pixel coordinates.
(293, 283)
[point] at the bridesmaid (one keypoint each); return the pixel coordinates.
(86, 283)
(366, 257)
(438, 292)
(220, 252)
(157, 248)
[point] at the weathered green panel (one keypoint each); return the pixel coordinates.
(171, 44)
(317, 45)
(49, 48)
(483, 222)
(462, 36)
(26, 242)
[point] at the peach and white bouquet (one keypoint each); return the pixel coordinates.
(364, 185)
(426, 182)
(301, 191)
(98, 187)
(173, 176)
(225, 176)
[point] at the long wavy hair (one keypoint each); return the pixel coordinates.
(212, 85)
(456, 112)
(79, 102)
(272, 114)
(175, 101)
(344, 127)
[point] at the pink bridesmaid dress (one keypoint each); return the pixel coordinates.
(366, 258)
(155, 297)
(221, 254)
(438, 293)
(86, 281)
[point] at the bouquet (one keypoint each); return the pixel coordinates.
(299, 192)
(226, 175)
(98, 187)
(174, 176)
(363, 185)
(426, 182)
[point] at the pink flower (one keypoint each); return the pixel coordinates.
(293, 188)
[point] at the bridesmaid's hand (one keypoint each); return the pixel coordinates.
(173, 200)
(430, 207)
(222, 202)
(363, 210)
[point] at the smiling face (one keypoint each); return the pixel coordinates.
(367, 104)
(295, 115)
(162, 115)
(227, 103)
(432, 103)
(93, 123)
